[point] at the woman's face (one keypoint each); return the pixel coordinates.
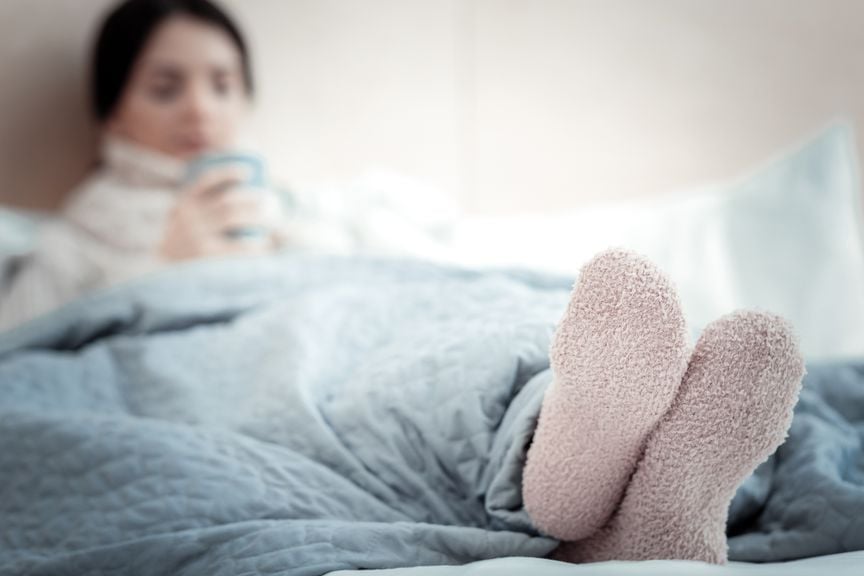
(186, 94)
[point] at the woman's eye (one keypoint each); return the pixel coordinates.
(164, 93)
(222, 87)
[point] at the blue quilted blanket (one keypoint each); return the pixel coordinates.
(301, 415)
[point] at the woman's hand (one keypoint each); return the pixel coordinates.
(211, 208)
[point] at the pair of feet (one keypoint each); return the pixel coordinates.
(641, 444)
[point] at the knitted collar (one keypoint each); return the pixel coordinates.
(140, 166)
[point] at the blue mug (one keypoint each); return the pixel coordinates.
(257, 178)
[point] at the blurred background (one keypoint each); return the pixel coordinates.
(510, 105)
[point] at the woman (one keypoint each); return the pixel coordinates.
(640, 444)
(171, 81)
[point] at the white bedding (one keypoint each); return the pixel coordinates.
(848, 564)
(787, 238)
(18, 230)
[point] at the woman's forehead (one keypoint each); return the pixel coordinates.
(182, 43)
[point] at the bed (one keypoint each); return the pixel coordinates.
(312, 414)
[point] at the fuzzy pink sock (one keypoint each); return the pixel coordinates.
(733, 410)
(618, 357)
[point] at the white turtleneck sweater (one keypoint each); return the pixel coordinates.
(107, 232)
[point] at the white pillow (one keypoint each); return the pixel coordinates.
(786, 239)
(18, 230)
(382, 213)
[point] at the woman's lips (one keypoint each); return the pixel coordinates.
(193, 144)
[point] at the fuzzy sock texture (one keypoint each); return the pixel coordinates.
(733, 410)
(618, 357)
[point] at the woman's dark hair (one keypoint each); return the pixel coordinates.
(126, 30)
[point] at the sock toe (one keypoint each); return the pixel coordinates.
(733, 409)
(618, 357)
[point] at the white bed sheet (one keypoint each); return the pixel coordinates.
(848, 564)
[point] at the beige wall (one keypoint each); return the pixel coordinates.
(510, 104)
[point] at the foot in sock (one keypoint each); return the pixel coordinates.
(733, 410)
(618, 357)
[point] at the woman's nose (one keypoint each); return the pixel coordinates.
(199, 103)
